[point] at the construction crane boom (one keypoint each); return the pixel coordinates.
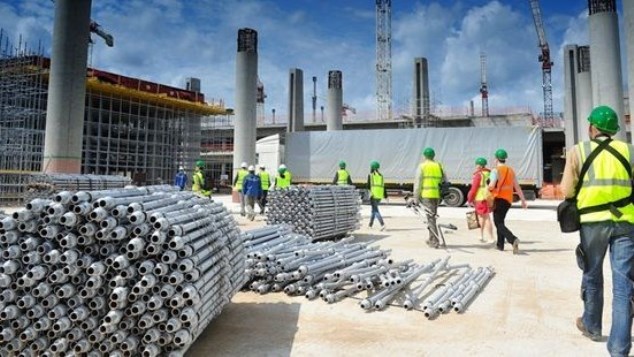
(384, 59)
(547, 64)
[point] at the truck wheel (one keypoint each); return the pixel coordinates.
(454, 197)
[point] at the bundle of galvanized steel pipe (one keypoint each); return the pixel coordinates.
(320, 212)
(45, 185)
(278, 260)
(126, 272)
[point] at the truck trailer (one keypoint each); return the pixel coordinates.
(313, 156)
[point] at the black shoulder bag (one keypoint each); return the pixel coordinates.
(568, 214)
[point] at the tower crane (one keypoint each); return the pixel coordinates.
(99, 31)
(544, 58)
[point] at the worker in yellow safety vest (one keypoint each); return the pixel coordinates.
(376, 186)
(342, 176)
(429, 176)
(265, 181)
(198, 180)
(238, 181)
(284, 178)
(598, 173)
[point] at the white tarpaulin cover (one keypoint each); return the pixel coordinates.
(313, 156)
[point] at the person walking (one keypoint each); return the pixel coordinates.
(265, 181)
(198, 180)
(251, 190)
(503, 183)
(180, 179)
(598, 174)
(477, 197)
(429, 177)
(377, 193)
(238, 181)
(342, 176)
(284, 177)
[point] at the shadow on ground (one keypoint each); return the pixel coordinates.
(369, 238)
(249, 329)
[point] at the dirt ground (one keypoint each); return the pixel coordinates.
(527, 309)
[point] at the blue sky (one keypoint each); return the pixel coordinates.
(167, 40)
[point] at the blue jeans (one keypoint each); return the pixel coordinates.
(595, 240)
(375, 212)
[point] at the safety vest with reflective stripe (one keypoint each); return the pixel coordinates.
(265, 181)
(606, 181)
(504, 184)
(431, 177)
(242, 173)
(342, 177)
(198, 181)
(483, 189)
(376, 185)
(283, 182)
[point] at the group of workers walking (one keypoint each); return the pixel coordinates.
(253, 187)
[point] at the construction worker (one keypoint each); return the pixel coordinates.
(606, 214)
(198, 179)
(429, 178)
(377, 192)
(283, 178)
(237, 185)
(478, 197)
(265, 181)
(251, 191)
(342, 176)
(502, 183)
(180, 179)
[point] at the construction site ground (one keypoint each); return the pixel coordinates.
(527, 309)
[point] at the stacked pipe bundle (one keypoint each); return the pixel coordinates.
(135, 271)
(280, 260)
(320, 212)
(46, 185)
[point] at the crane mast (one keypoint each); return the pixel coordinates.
(547, 64)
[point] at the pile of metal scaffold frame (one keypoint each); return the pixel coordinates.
(320, 212)
(279, 260)
(124, 272)
(47, 185)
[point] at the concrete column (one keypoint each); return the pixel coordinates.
(584, 92)
(628, 13)
(421, 90)
(570, 95)
(295, 100)
(244, 134)
(67, 87)
(335, 101)
(605, 56)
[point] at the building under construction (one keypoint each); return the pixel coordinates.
(132, 127)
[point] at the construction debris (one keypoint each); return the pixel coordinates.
(135, 271)
(278, 259)
(320, 212)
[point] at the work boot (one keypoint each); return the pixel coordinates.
(582, 327)
(382, 227)
(516, 246)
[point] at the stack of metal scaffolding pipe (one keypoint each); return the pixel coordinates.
(47, 184)
(123, 272)
(320, 212)
(278, 260)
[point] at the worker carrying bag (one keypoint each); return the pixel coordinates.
(568, 215)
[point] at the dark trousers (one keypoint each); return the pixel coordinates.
(262, 200)
(499, 215)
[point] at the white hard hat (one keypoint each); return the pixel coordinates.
(243, 165)
(251, 168)
(282, 166)
(262, 166)
(181, 168)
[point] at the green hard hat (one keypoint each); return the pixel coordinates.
(200, 163)
(429, 153)
(374, 165)
(481, 161)
(605, 119)
(342, 164)
(501, 154)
